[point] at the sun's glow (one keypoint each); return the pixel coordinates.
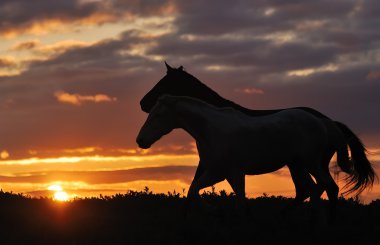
(59, 193)
(55, 188)
(61, 196)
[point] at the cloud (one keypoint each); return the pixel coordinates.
(62, 46)
(9, 67)
(182, 173)
(77, 99)
(43, 16)
(7, 62)
(84, 150)
(28, 45)
(249, 91)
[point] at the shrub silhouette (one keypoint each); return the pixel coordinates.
(142, 217)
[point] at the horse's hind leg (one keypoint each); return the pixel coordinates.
(303, 184)
(326, 182)
(324, 179)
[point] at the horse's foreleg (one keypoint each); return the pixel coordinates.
(206, 178)
(237, 182)
(199, 171)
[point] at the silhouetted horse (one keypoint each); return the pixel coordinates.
(234, 144)
(361, 175)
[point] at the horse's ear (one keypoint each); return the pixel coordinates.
(168, 67)
(180, 68)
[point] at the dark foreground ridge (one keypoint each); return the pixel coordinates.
(147, 218)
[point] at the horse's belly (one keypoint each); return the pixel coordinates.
(262, 167)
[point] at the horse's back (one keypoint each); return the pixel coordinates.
(287, 131)
(286, 124)
(289, 120)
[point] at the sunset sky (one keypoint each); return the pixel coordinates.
(72, 74)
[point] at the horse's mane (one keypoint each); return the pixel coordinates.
(219, 100)
(172, 99)
(215, 99)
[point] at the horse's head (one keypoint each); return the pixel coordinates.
(159, 122)
(175, 82)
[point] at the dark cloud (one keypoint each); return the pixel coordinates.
(258, 55)
(258, 16)
(182, 173)
(109, 54)
(20, 15)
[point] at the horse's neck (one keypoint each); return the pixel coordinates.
(213, 98)
(194, 119)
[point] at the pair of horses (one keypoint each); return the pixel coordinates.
(234, 141)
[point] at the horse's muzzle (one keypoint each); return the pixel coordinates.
(142, 144)
(145, 107)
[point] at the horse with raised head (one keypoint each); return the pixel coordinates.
(179, 82)
(232, 144)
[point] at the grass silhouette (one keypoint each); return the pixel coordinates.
(142, 217)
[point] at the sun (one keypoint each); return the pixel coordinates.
(59, 194)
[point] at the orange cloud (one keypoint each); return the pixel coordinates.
(77, 99)
(63, 17)
(28, 45)
(62, 46)
(8, 67)
(34, 28)
(82, 150)
(6, 62)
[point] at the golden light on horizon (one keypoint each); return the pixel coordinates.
(128, 161)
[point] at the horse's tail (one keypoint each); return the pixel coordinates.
(361, 174)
